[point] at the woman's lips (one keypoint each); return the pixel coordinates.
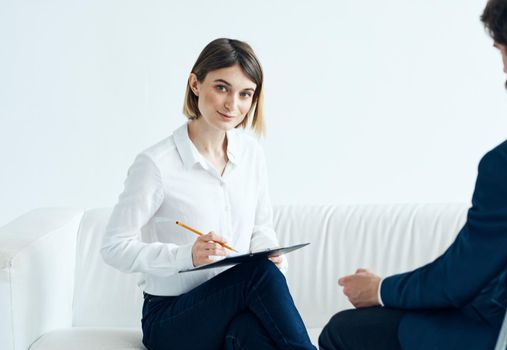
(225, 116)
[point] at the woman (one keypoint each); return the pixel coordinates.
(211, 176)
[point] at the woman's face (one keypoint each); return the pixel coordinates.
(225, 96)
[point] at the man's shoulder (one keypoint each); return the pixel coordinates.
(496, 158)
(492, 174)
(501, 147)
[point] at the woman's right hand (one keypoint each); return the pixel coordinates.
(206, 246)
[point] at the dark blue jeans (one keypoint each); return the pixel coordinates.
(248, 306)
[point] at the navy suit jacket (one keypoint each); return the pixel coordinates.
(458, 301)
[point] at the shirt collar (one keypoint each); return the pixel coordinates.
(189, 153)
(184, 146)
(233, 146)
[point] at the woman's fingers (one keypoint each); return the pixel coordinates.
(212, 236)
(213, 248)
(205, 247)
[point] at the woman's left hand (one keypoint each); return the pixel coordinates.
(277, 260)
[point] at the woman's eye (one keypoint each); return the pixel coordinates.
(221, 88)
(246, 94)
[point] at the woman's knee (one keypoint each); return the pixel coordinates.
(261, 268)
(268, 268)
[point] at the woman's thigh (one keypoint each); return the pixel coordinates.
(199, 318)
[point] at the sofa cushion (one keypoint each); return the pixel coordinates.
(90, 339)
(105, 339)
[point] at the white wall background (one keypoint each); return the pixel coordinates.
(367, 101)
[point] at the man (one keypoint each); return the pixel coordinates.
(456, 302)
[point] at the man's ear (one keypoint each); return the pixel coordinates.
(194, 84)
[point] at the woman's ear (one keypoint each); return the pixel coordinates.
(194, 84)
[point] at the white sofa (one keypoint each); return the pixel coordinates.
(57, 293)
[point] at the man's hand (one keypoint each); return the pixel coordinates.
(361, 288)
(206, 246)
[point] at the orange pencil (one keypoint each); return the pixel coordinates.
(202, 234)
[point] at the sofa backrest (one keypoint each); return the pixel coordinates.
(384, 238)
(103, 296)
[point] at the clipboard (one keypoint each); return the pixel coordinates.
(237, 259)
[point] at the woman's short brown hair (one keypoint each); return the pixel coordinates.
(224, 53)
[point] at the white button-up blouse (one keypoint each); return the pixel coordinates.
(172, 181)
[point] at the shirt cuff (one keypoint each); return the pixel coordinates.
(379, 294)
(184, 257)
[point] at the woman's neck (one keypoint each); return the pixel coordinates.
(207, 140)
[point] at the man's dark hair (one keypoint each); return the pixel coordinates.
(494, 18)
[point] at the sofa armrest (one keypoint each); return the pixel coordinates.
(37, 259)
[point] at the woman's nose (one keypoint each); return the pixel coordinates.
(230, 103)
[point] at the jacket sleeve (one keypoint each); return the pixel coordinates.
(122, 247)
(477, 255)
